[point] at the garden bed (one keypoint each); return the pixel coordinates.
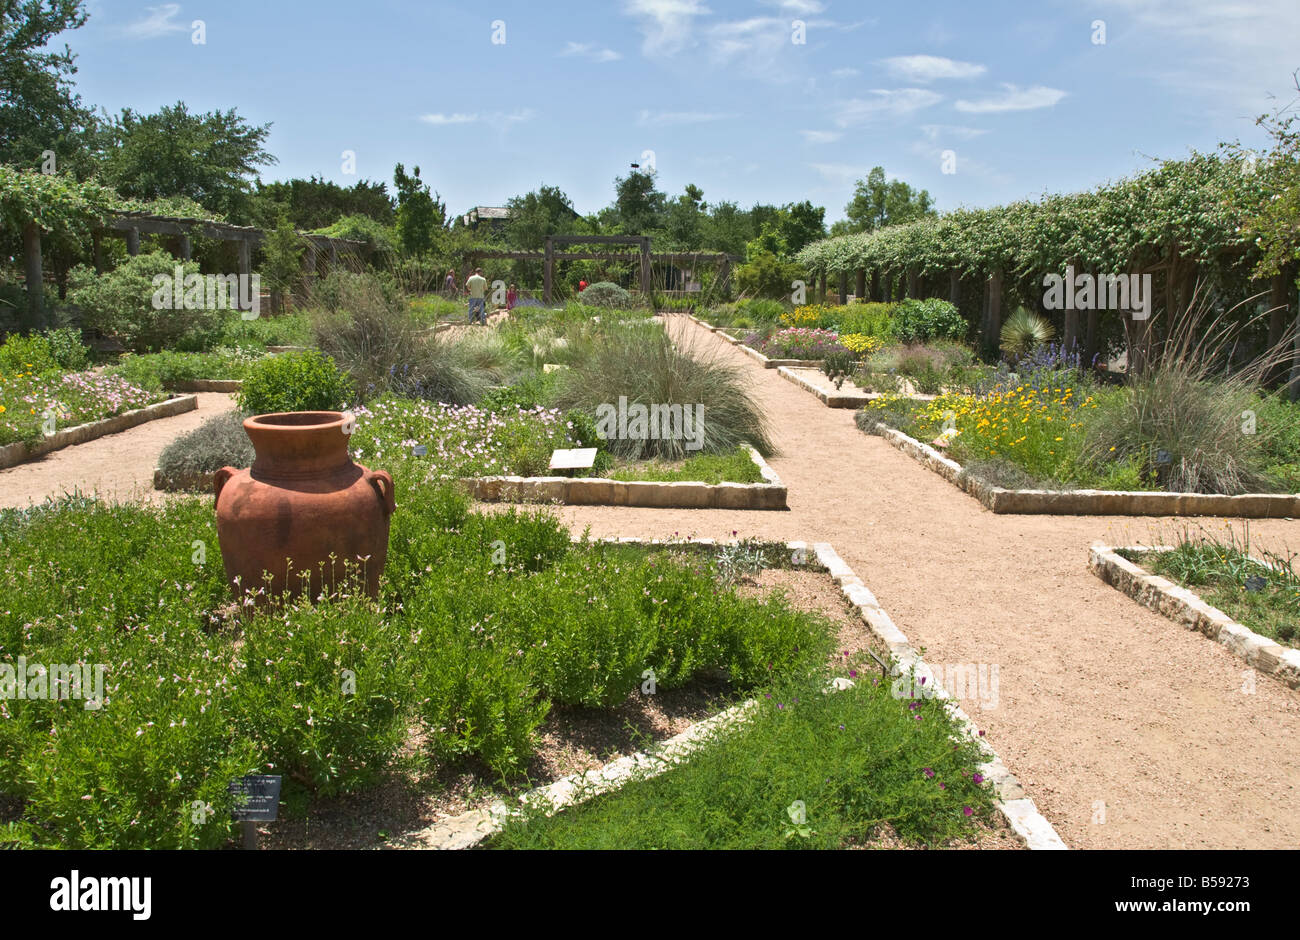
(20, 452)
(601, 491)
(765, 361)
(591, 798)
(1184, 607)
(1085, 502)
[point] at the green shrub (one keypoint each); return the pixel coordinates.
(27, 354)
(290, 329)
(296, 381)
(120, 303)
(767, 276)
(869, 319)
(158, 370)
(759, 310)
(918, 321)
(606, 294)
(218, 442)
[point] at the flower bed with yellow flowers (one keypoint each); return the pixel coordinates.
(31, 404)
(1040, 431)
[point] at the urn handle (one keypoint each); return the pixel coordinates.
(383, 484)
(221, 478)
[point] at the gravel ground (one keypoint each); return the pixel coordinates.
(1106, 710)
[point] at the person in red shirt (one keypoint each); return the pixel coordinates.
(582, 286)
(512, 297)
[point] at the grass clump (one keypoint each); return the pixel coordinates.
(736, 467)
(218, 442)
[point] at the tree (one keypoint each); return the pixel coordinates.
(533, 216)
(38, 109)
(727, 228)
(877, 203)
(685, 218)
(639, 204)
(316, 203)
(208, 157)
(282, 261)
(421, 216)
(801, 223)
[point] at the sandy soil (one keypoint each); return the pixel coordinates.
(1106, 711)
(116, 466)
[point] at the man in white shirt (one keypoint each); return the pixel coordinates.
(477, 287)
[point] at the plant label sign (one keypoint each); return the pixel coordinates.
(577, 459)
(257, 797)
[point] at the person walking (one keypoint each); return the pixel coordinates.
(512, 296)
(476, 285)
(449, 285)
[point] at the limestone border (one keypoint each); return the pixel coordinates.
(470, 828)
(599, 491)
(1186, 608)
(1094, 502)
(13, 454)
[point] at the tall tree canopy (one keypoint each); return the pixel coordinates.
(210, 158)
(878, 202)
(421, 215)
(39, 110)
(533, 216)
(639, 204)
(316, 203)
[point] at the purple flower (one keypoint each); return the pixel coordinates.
(977, 778)
(928, 772)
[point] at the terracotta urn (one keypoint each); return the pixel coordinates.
(302, 501)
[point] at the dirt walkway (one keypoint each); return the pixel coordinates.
(1106, 711)
(116, 466)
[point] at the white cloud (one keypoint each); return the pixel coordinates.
(841, 173)
(932, 132)
(821, 137)
(797, 7)
(845, 73)
(897, 102)
(441, 119)
(489, 117)
(1013, 99)
(589, 50)
(667, 25)
(928, 68)
(663, 118)
(158, 21)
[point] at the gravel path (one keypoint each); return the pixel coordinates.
(115, 466)
(1127, 730)
(1105, 710)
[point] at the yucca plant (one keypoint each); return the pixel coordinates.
(1023, 332)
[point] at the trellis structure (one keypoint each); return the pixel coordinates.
(644, 256)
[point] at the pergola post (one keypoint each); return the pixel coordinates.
(133, 241)
(993, 310)
(844, 287)
(187, 250)
(821, 288)
(647, 288)
(1279, 298)
(724, 273)
(860, 286)
(875, 284)
(911, 282)
(33, 274)
(245, 257)
(548, 270)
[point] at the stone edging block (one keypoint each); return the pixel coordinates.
(1184, 607)
(1094, 502)
(599, 491)
(13, 454)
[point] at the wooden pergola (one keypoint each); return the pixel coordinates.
(131, 225)
(643, 254)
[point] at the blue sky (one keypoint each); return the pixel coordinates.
(1020, 92)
